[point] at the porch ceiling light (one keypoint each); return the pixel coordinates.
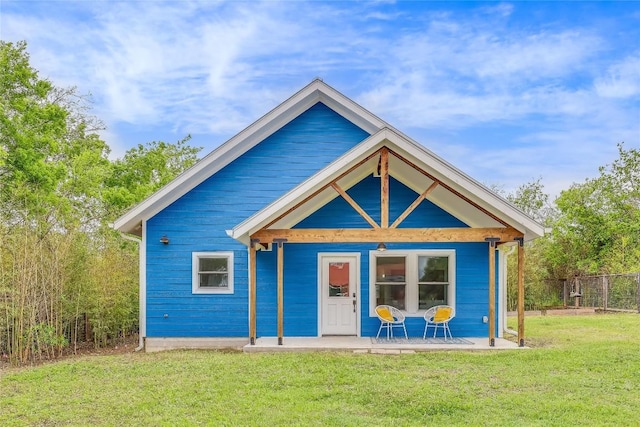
(381, 247)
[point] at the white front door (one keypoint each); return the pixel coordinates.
(339, 286)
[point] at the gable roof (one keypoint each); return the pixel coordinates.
(457, 193)
(316, 91)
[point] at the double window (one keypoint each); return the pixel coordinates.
(212, 273)
(412, 281)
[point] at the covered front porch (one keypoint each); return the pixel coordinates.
(402, 225)
(480, 218)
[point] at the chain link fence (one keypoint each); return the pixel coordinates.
(604, 292)
(607, 292)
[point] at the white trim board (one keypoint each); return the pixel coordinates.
(316, 91)
(413, 152)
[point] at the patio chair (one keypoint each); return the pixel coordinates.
(390, 317)
(439, 317)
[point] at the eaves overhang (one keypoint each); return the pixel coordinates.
(316, 91)
(456, 183)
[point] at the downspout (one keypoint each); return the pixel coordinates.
(142, 288)
(506, 258)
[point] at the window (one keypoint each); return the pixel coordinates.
(212, 273)
(391, 282)
(433, 282)
(412, 281)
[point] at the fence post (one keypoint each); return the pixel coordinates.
(638, 294)
(605, 293)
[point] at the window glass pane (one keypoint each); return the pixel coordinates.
(214, 280)
(391, 295)
(339, 279)
(431, 295)
(390, 269)
(433, 269)
(212, 273)
(213, 264)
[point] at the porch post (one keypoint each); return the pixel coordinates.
(384, 187)
(492, 289)
(520, 291)
(280, 243)
(252, 291)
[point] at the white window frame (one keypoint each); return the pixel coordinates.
(195, 276)
(411, 277)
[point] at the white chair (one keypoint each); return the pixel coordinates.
(390, 317)
(439, 317)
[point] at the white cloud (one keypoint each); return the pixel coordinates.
(212, 68)
(621, 80)
(452, 71)
(501, 9)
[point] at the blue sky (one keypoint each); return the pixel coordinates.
(507, 92)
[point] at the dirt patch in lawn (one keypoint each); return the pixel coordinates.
(121, 346)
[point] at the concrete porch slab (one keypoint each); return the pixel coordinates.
(368, 345)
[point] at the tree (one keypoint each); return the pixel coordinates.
(51, 158)
(64, 274)
(533, 201)
(598, 230)
(145, 169)
(539, 289)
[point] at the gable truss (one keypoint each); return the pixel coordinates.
(384, 232)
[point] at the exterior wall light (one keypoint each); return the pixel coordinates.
(381, 247)
(164, 240)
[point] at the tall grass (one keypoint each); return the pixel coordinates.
(582, 370)
(58, 290)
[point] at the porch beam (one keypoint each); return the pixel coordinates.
(520, 292)
(376, 235)
(354, 205)
(384, 187)
(414, 205)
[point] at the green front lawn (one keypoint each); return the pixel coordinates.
(583, 370)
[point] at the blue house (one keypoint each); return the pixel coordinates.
(278, 231)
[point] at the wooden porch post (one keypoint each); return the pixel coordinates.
(252, 291)
(384, 187)
(492, 289)
(280, 243)
(520, 291)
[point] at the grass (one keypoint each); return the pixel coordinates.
(583, 370)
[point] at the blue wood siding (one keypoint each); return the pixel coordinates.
(301, 266)
(197, 222)
(339, 214)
